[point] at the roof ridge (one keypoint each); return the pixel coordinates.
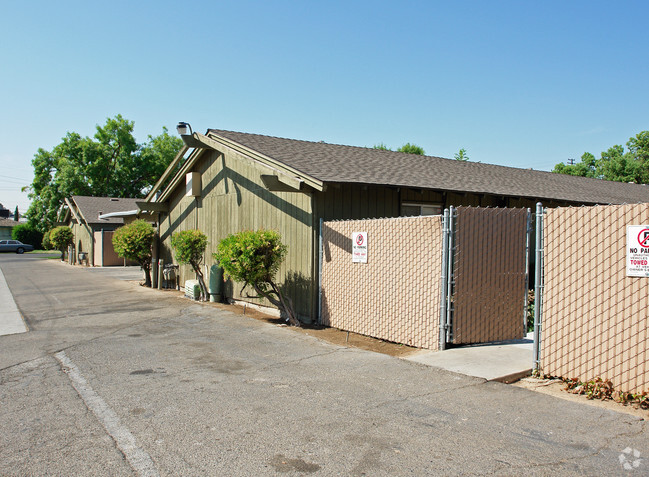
(328, 143)
(459, 163)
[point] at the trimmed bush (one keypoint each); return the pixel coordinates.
(61, 238)
(253, 258)
(189, 246)
(133, 242)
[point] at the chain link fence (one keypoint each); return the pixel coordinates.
(395, 295)
(595, 318)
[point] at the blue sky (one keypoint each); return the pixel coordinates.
(524, 84)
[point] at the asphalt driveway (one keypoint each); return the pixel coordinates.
(115, 379)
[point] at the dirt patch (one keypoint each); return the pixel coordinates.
(556, 388)
(330, 335)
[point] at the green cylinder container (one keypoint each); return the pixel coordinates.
(216, 283)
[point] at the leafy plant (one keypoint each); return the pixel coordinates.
(189, 246)
(133, 242)
(27, 233)
(599, 388)
(254, 257)
(61, 238)
(530, 310)
(109, 164)
(412, 149)
(47, 243)
(461, 155)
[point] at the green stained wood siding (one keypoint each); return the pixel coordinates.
(235, 199)
(352, 201)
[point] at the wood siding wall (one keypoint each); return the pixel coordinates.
(233, 199)
(82, 240)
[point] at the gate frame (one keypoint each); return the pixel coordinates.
(538, 288)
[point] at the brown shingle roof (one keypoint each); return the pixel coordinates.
(338, 163)
(8, 222)
(90, 207)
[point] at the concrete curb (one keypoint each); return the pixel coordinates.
(11, 321)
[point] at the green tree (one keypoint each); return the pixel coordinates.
(133, 242)
(253, 258)
(16, 214)
(381, 146)
(411, 149)
(461, 155)
(189, 246)
(61, 238)
(47, 243)
(26, 233)
(109, 164)
(616, 163)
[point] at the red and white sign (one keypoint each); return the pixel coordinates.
(359, 247)
(637, 251)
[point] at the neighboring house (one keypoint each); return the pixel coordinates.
(92, 234)
(230, 181)
(6, 226)
(4, 213)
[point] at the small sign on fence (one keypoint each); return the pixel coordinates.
(359, 247)
(637, 251)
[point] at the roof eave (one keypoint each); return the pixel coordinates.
(215, 141)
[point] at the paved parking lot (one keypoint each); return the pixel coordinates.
(115, 379)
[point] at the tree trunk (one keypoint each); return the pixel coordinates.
(147, 274)
(201, 281)
(283, 303)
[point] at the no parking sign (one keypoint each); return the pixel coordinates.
(637, 251)
(359, 247)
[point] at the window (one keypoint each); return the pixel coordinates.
(414, 209)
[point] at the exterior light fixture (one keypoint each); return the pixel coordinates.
(184, 129)
(187, 135)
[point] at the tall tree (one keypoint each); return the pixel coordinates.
(615, 164)
(407, 148)
(412, 149)
(110, 164)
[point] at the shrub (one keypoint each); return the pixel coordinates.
(61, 238)
(189, 246)
(46, 243)
(133, 242)
(254, 257)
(27, 233)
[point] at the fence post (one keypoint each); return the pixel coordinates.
(538, 287)
(528, 243)
(320, 245)
(449, 273)
(442, 301)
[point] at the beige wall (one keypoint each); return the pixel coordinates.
(595, 319)
(395, 295)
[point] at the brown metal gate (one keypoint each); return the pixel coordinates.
(490, 286)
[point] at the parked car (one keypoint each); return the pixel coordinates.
(14, 246)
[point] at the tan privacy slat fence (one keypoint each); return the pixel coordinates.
(395, 295)
(490, 262)
(594, 317)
